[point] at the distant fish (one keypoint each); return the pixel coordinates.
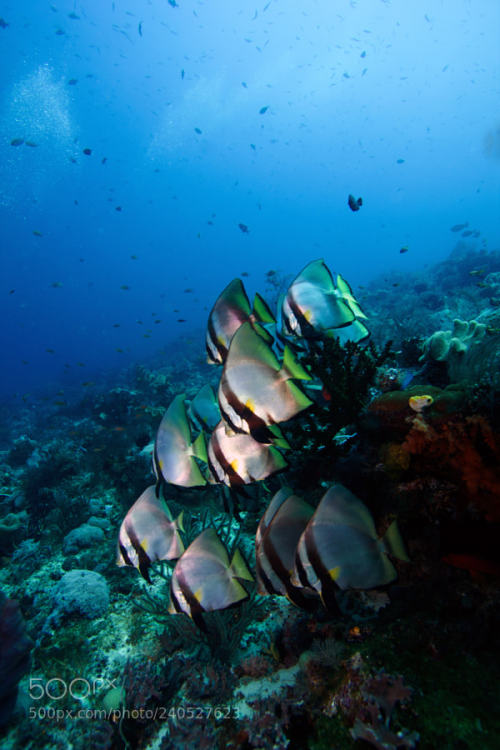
(72, 82)
(404, 249)
(182, 74)
(17, 142)
(244, 85)
(37, 233)
(459, 227)
(198, 131)
(125, 287)
(400, 161)
(263, 110)
(354, 204)
(87, 151)
(139, 29)
(73, 16)
(204, 580)
(3, 24)
(467, 233)
(148, 533)
(363, 54)
(244, 228)
(173, 3)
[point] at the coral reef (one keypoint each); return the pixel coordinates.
(417, 658)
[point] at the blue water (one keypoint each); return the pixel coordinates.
(351, 89)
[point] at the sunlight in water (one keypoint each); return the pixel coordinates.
(37, 111)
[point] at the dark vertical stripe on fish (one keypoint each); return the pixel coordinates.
(195, 607)
(328, 587)
(257, 427)
(144, 560)
(221, 348)
(301, 572)
(293, 592)
(157, 469)
(233, 476)
(175, 601)
(124, 554)
(264, 579)
(302, 322)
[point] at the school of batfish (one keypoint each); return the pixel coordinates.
(302, 553)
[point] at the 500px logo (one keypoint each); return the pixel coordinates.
(56, 688)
